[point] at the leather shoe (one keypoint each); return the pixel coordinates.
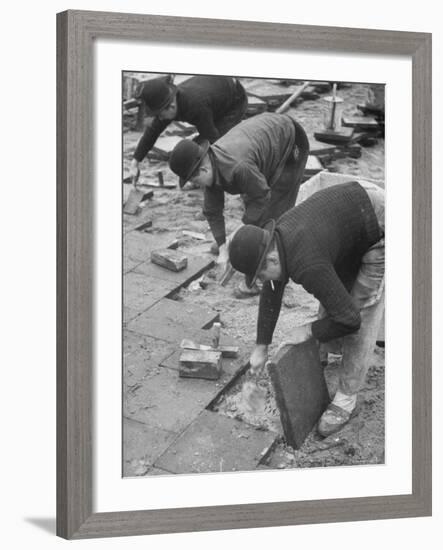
(333, 420)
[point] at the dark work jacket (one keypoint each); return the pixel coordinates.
(248, 160)
(321, 243)
(201, 101)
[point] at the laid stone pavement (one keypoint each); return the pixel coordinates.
(166, 424)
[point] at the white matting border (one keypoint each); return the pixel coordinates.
(111, 491)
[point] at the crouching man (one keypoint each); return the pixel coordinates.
(262, 159)
(332, 244)
(214, 104)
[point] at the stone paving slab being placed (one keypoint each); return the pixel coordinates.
(172, 320)
(300, 389)
(142, 445)
(162, 399)
(216, 443)
(141, 292)
(197, 265)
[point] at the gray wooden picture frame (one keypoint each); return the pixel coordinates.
(76, 32)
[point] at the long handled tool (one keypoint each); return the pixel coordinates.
(334, 107)
(285, 106)
(227, 275)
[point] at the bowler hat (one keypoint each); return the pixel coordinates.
(157, 94)
(186, 158)
(248, 249)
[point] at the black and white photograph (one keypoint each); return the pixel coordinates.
(226, 209)
(253, 273)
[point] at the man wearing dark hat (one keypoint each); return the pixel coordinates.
(213, 104)
(332, 244)
(262, 159)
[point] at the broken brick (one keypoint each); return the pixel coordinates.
(170, 259)
(195, 363)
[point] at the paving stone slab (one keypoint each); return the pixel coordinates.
(129, 314)
(141, 292)
(319, 148)
(129, 264)
(339, 137)
(362, 123)
(197, 265)
(267, 91)
(313, 166)
(216, 443)
(230, 368)
(162, 399)
(300, 389)
(163, 146)
(140, 353)
(256, 106)
(172, 320)
(137, 246)
(142, 445)
(179, 128)
(130, 223)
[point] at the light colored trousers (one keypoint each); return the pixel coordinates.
(368, 291)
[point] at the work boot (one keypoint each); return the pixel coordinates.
(332, 420)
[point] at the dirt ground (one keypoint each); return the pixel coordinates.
(172, 211)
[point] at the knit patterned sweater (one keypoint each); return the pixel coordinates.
(321, 243)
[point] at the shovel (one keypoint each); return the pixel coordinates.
(135, 197)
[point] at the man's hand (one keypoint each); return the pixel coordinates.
(258, 358)
(299, 335)
(223, 257)
(134, 171)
